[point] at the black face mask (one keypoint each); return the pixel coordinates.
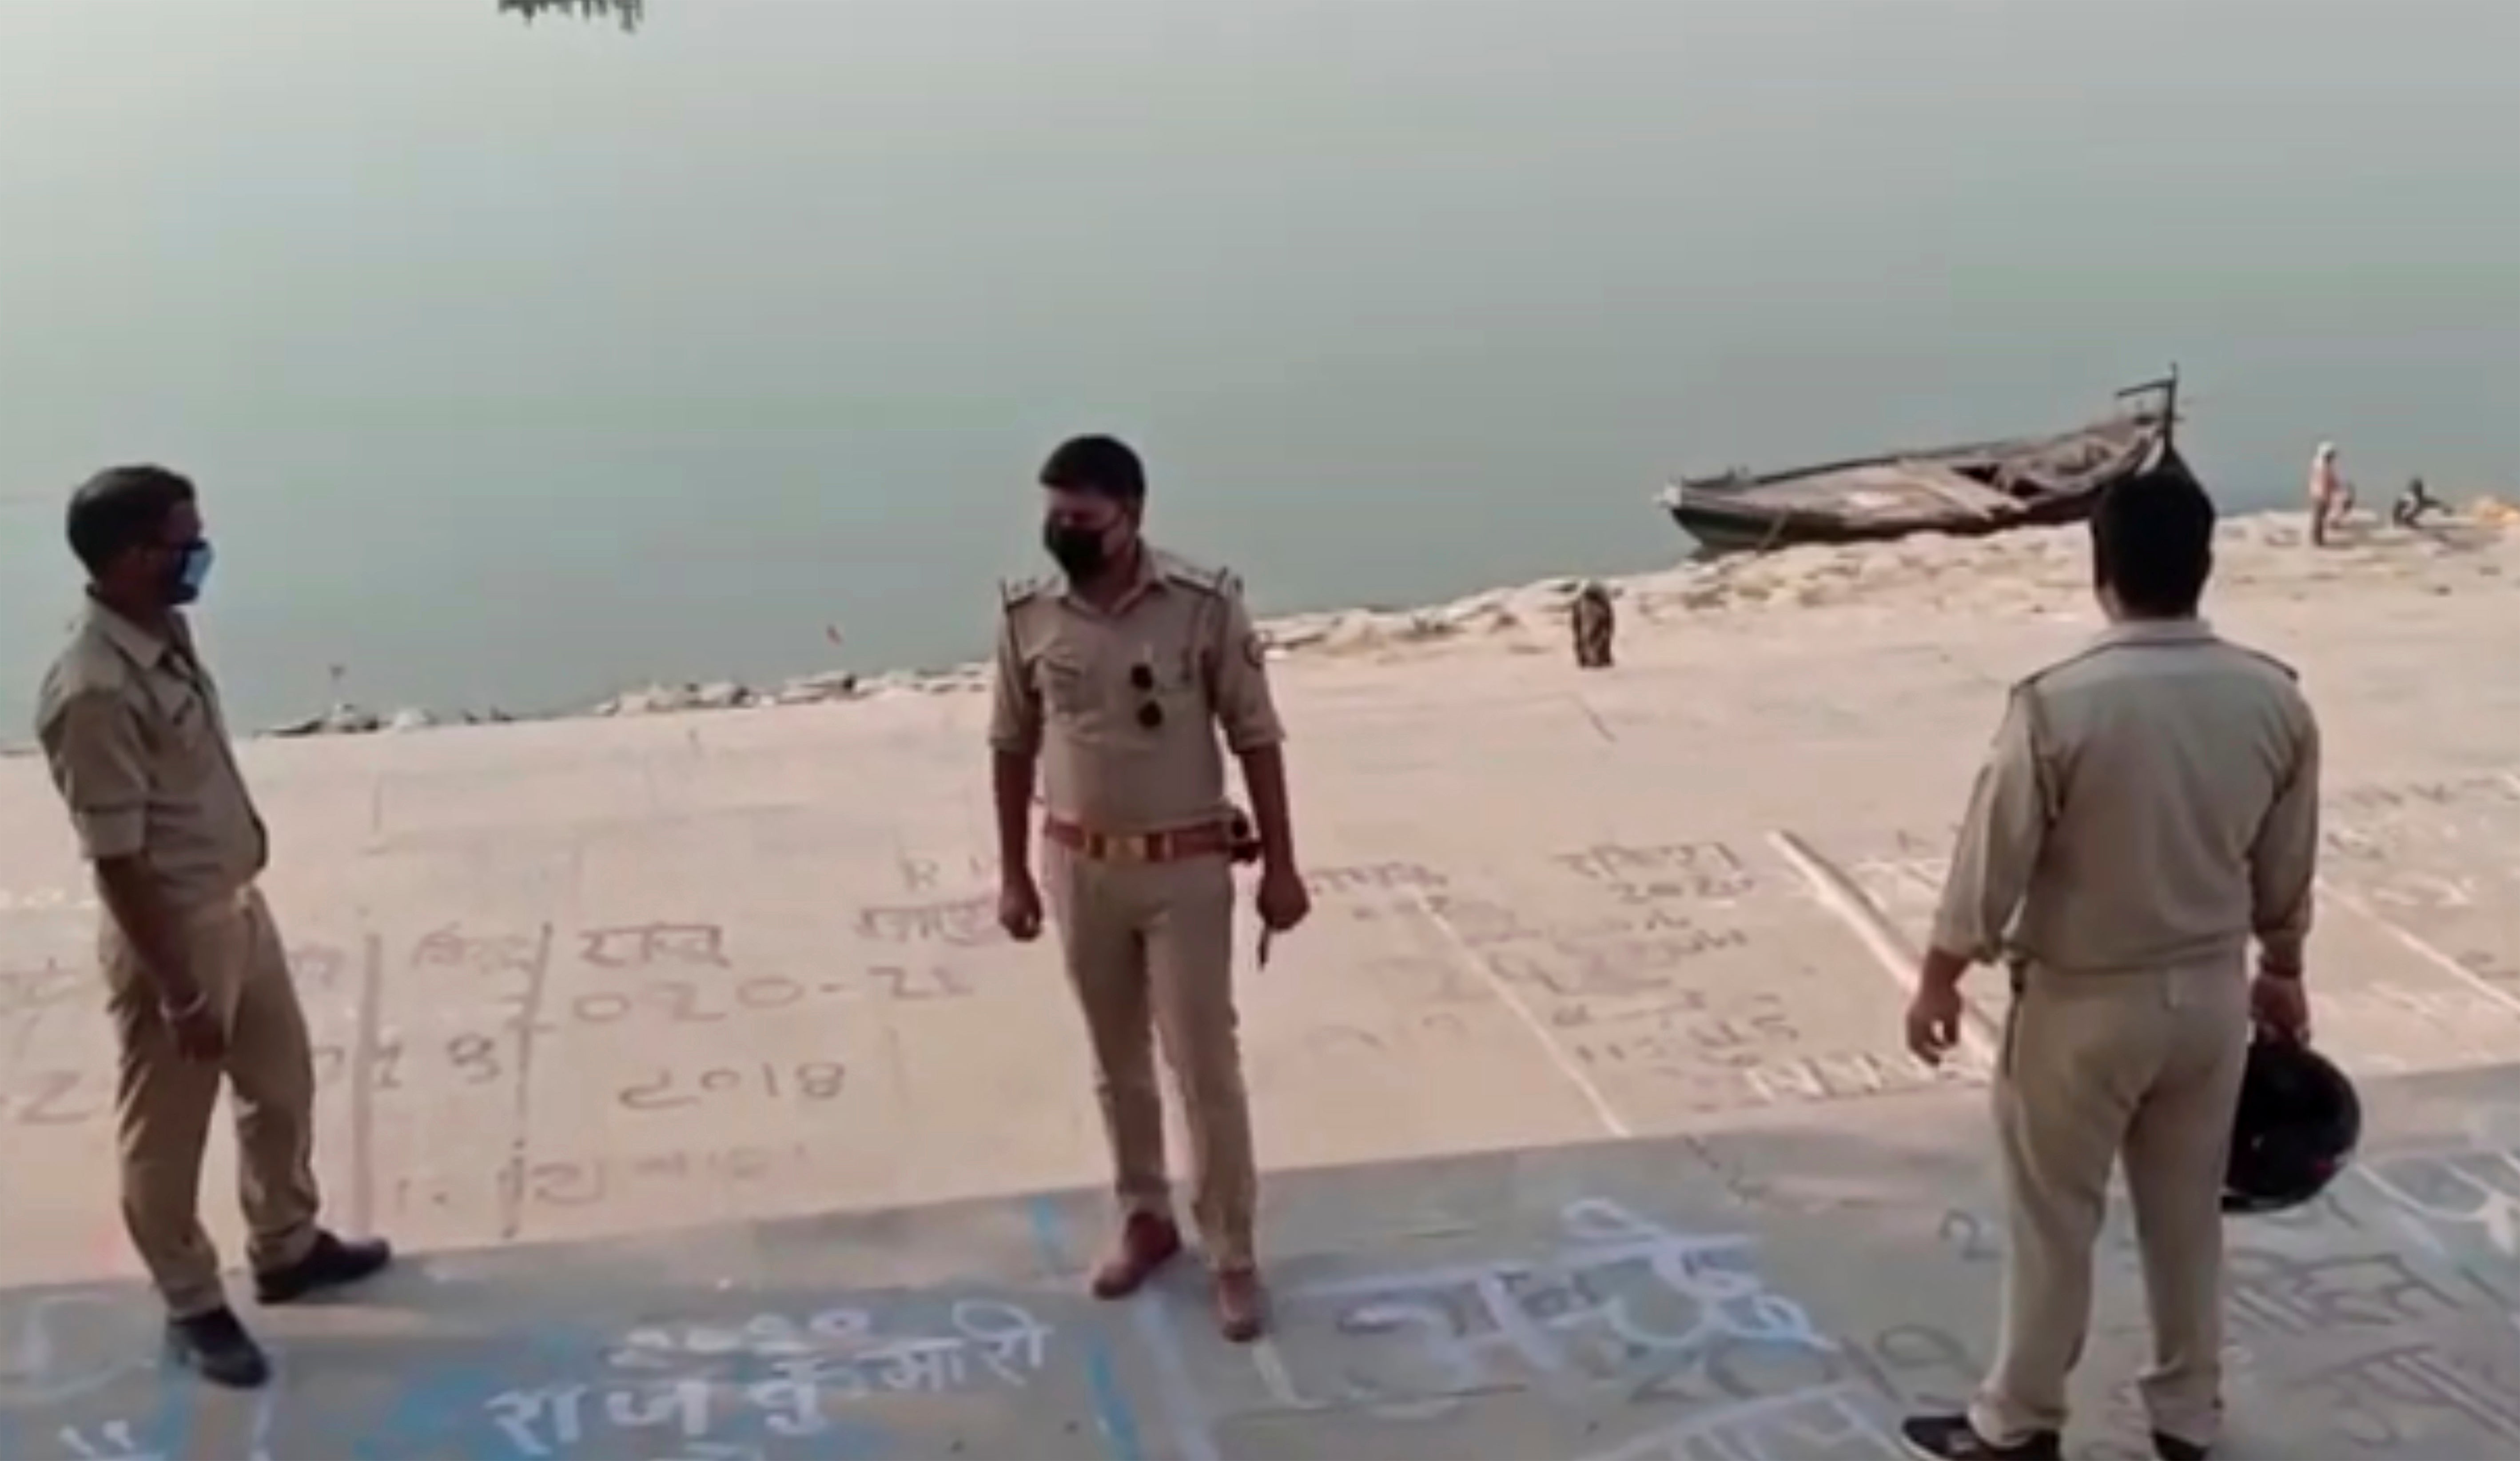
(1079, 552)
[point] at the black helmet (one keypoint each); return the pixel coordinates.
(2298, 1124)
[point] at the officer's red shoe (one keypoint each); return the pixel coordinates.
(1242, 1308)
(1146, 1243)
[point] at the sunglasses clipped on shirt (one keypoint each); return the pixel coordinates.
(1142, 678)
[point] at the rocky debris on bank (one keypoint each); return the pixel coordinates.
(2037, 571)
(345, 719)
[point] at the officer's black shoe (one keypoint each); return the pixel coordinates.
(330, 1264)
(2172, 1448)
(217, 1347)
(1950, 1437)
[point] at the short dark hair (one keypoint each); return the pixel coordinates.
(1102, 464)
(2152, 542)
(122, 508)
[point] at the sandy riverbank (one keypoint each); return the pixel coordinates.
(1555, 905)
(1637, 937)
(2043, 572)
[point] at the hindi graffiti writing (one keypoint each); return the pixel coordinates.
(555, 1183)
(666, 1089)
(2375, 1398)
(1840, 1075)
(966, 923)
(646, 944)
(469, 1059)
(321, 967)
(1674, 1035)
(781, 1374)
(1431, 1026)
(2272, 1292)
(927, 874)
(68, 1343)
(1666, 871)
(1482, 923)
(48, 901)
(1371, 878)
(450, 947)
(1833, 1423)
(33, 990)
(684, 1002)
(1615, 965)
(1972, 1237)
(2429, 794)
(1620, 1293)
(2470, 1198)
(57, 1098)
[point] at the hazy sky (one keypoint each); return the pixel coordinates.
(522, 362)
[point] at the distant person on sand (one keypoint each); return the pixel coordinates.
(2332, 497)
(2150, 803)
(1594, 622)
(198, 987)
(1112, 681)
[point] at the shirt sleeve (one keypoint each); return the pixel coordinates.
(2009, 812)
(1245, 705)
(2284, 860)
(92, 742)
(1014, 701)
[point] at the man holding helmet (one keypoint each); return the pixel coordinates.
(2149, 805)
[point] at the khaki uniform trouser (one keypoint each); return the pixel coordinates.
(1149, 949)
(164, 1103)
(2094, 1067)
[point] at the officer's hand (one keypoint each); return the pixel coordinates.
(1934, 1022)
(198, 1035)
(1019, 907)
(1282, 901)
(2280, 1006)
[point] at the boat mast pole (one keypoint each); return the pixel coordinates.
(2168, 385)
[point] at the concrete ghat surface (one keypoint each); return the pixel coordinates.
(1651, 1299)
(685, 1049)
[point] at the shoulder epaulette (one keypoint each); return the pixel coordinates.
(2280, 667)
(1219, 581)
(2087, 653)
(1014, 593)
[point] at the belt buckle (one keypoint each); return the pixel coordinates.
(1134, 847)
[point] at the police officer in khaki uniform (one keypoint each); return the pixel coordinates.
(1112, 682)
(2149, 805)
(197, 983)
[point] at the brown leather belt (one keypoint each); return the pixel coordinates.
(1208, 840)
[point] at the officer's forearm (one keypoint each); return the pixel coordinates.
(130, 895)
(1263, 776)
(1010, 780)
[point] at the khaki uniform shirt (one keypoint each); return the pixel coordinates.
(131, 726)
(1073, 683)
(2150, 802)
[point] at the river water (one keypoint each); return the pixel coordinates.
(523, 361)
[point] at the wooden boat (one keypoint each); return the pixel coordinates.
(1966, 490)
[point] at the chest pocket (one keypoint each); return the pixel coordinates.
(186, 732)
(1066, 681)
(1180, 687)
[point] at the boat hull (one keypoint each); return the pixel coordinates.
(1723, 528)
(1943, 492)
